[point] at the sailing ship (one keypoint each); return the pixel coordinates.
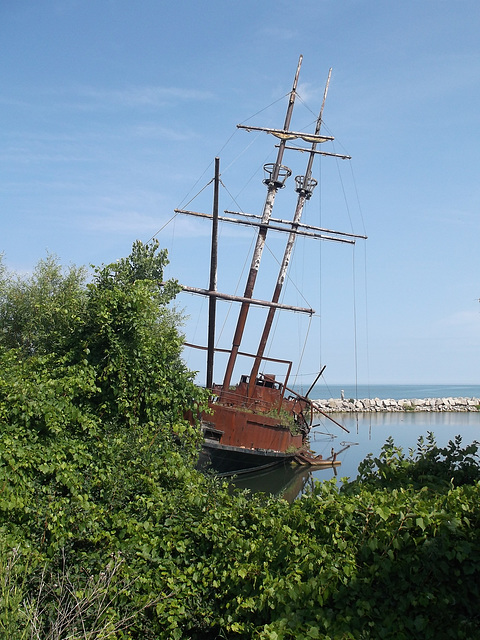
(261, 421)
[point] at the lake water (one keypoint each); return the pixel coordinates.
(395, 392)
(367, 434)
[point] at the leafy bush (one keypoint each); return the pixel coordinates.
(429, 465)
(93, 394)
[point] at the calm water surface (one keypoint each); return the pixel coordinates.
(367, 434)
(395, 392)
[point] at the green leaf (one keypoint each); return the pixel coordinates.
(420, 523)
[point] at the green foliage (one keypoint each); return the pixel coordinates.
(285, 418)
(429, 465)
(107, 530)
(130, 338)
(93, 394)
(38, 314)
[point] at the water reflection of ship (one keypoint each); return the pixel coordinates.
(287, 481)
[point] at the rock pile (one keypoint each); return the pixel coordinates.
(377, 404)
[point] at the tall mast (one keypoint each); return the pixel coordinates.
(305, 187)
(212, 304)
(275, 181)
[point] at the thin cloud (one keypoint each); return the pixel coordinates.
(277, 34)
(127, 222)
(156, 131)
(462, 319)
(133, 223)
(86, 98)
(147, 96)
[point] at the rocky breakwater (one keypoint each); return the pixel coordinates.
(378, 405)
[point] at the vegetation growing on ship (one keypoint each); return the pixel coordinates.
(284, 417)
(107, 531)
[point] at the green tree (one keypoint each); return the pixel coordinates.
(131, 338)
(40, 313)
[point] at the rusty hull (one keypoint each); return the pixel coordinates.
(252, 422)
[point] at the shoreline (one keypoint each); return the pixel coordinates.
(369, 405)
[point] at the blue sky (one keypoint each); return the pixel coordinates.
(112, 113)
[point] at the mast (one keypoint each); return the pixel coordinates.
(305, 187)
(212, 303)
(275, 181)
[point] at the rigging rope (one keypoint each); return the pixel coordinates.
(240, 279)
(304, 346)
(163, 227)
(343, 191)
(287, 277)
(357, 198)
(355, 322)
(176, 214)
(286, 95)
(366, 318)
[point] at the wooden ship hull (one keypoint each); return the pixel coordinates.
(245, 434)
